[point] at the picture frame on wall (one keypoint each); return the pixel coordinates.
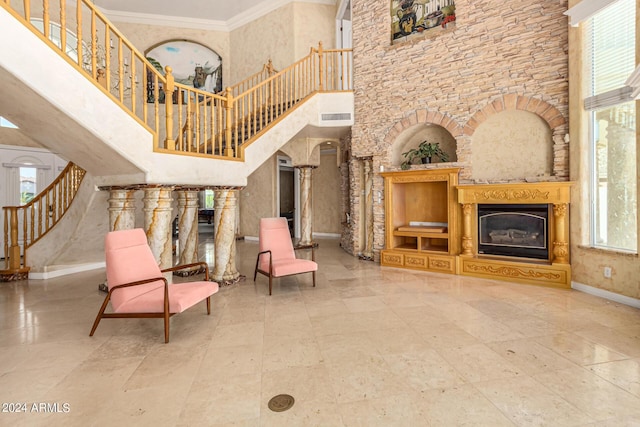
(416, 18)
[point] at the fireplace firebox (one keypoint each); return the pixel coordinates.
(514, 230)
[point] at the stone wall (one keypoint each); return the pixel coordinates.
(497, 56)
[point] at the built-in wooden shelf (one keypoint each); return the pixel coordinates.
(423, 197)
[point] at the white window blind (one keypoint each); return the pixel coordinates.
(610, 53)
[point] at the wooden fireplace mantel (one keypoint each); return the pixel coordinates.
(556, 271)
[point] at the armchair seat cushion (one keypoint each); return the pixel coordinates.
(181, 297)
(292, 266)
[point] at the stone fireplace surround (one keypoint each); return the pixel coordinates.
(555, 271)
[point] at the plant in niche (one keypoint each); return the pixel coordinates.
(425, 152)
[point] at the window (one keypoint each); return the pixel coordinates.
(27, 184)
(208, 199)
(610, 60)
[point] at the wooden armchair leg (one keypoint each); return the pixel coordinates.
(255, 272)
(269, 284)
(208, 305)
(166, 328)
(99, 316)
(314, 278)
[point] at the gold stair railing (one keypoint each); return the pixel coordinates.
(182, 119)
(37, 217)
(259, 107)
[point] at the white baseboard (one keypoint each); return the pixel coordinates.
(252, 238)
(612, 296)
(64, 270)
(335, 235)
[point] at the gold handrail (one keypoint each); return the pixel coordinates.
(39, 215)
(267, 71)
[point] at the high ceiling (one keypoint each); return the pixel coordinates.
(215, 10)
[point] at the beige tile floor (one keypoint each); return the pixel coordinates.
(369, 346)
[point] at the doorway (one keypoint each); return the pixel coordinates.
(288, 194)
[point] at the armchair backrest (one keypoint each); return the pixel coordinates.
(129, 258)
(275, 236)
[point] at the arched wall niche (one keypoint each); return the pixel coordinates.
(412, 129)
(512, 145)
(413, 136)
(557, 142)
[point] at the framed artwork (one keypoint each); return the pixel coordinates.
(420, 17)
(193, 64)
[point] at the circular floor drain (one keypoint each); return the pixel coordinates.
(281, 402)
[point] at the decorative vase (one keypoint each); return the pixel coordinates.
(426, 160)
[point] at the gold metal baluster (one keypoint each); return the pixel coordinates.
(32, 225)
(63, 26)
(170, 143)
(14, 250)
(27, 10)
(79, 32)
(108, 44)
(94, 46)
(133, 84)
(24, 232)
(5, 212)
(45, 18)
(121, 82)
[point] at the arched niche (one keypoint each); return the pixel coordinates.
(413, 136)
(194, 64)
(512, 145)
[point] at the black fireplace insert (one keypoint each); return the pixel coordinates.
(514, 230)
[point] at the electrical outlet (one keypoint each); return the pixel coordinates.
(607, 272)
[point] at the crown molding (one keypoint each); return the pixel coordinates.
(165, 20)
(234, 23)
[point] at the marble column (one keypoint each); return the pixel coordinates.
(158, 216)
(306, 220)
(122, 209)
(367, 164)
(225, 206)
(188, 228)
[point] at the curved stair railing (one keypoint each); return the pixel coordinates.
(182, 119)
(37, 217)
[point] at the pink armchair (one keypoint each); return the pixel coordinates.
(137, 287)
(277, 257)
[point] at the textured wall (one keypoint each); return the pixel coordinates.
(270, 37)
(258, 198)
(511, 145)
(499, 56)
(326, 195)
(314, 23)
(497, 48)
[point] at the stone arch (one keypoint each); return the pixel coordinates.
(420, 117)
(547, 112)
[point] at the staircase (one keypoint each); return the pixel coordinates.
(63, 94)
(92, 108)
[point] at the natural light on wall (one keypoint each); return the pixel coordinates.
(4, 123)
